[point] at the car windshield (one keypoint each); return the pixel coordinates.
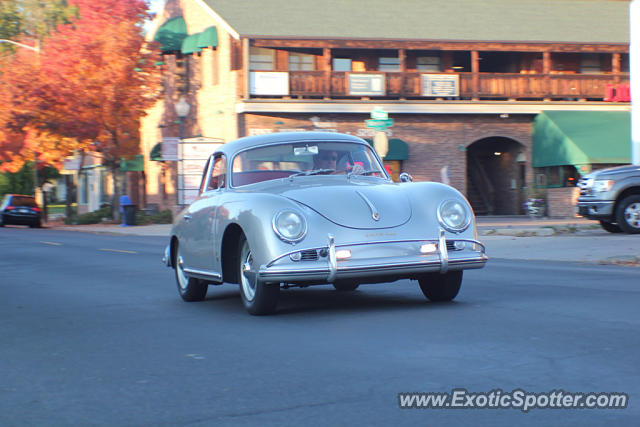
(23, 201)
(303, 159)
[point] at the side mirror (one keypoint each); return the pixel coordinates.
(405, 177)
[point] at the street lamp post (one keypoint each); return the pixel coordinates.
(182, 111)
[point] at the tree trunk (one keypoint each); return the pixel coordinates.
(115, 205)
(68, 182)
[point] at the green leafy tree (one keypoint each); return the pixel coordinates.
(32, 20)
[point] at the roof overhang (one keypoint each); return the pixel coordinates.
(435, 107)
(581, 138)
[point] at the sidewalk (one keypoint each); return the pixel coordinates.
(136, 230)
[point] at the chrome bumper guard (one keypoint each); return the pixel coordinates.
(279, 270)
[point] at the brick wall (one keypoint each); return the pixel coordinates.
(561, 202)
(434, 140)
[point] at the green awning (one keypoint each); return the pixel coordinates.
(134, 165)
(190, 44)
(171, 34)
(581, 138)
(208, 38)
(156, 153)
(398, 149)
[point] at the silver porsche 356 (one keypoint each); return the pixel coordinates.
(307, 208)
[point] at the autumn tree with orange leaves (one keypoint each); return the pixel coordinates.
(86, 89)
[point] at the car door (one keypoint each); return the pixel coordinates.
(202, 218)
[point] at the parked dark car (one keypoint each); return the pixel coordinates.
(20, 210)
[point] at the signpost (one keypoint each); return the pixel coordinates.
(380, 121)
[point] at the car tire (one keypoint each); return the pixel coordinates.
(345, 286)
(259, 298)
(1, 221)
(36, 224)
(189, 288)
(441, 287)
(610, 227)
(628, 214)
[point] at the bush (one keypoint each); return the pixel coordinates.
(94, 217)
(163, 217)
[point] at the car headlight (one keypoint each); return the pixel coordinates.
(454, 216)
(289, 225)
(602, 185)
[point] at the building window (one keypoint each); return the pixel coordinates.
(301, 61)
(261, 59)
(388, 63)
(429, 64)
(590, 64)
(341, 64)
(557, 176)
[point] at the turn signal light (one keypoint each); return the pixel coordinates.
(428, 248)
(343, 254)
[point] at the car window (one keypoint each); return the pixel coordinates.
(218, 172)
(282, 160)
(23, 201)
(203, 180)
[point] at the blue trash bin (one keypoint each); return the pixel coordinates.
(127, 211)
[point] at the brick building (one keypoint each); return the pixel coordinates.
(462, 80)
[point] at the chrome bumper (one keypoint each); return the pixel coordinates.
(402, 260)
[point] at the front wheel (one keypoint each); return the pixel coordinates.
(441, 287)
(628, 214)
(258, 297)
(190, 288)
(610, 227)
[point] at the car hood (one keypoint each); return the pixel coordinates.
(361, 205)
(618, 170)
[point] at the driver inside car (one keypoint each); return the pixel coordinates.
(328, 159)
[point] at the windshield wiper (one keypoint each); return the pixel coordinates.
(313, 172)
(364, 173)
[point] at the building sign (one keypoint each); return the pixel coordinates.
(71, 165)
(169, 149)
(440, 85)
(268, 83)
(366, 84)
(193, 154)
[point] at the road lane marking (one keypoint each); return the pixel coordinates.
(52, 243)
(118, 250)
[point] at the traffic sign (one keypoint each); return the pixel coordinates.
(379, 114)
(376, 124)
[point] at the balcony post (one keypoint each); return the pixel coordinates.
(615, 68)
(326, 67)
(546, 70)
(475, 77)
(402, 58)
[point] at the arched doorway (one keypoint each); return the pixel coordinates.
(496, 176)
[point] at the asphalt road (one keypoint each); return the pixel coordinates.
(92, 332)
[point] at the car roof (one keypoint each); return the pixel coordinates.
(230, 148)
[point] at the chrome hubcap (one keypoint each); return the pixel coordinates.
(183, 280)
(248, 281)
(632, 215)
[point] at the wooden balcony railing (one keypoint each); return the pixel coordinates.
(333, 84)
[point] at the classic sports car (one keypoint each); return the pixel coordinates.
(307, 208)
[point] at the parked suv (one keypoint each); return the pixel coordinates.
(612, 196)
(20, 210)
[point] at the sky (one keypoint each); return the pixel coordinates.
(156, 5)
